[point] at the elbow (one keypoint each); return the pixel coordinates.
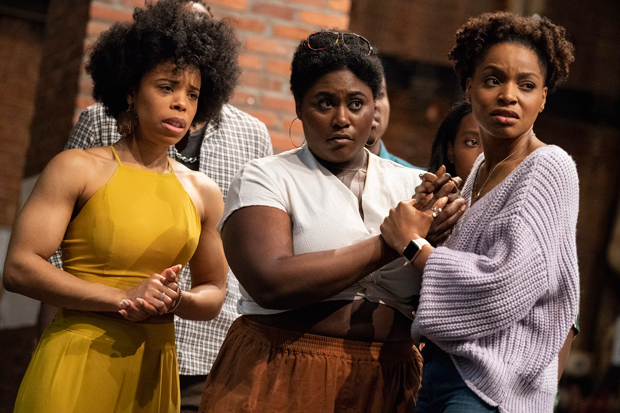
(10, 277)
(271, 299)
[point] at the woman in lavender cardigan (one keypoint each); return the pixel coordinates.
(499, 297)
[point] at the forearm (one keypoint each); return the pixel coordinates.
(36, 278)
(298, 280)
(202, 302)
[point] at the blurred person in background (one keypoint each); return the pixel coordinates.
(379, 126)
(457, 143)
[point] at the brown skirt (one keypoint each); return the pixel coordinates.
(266, 369)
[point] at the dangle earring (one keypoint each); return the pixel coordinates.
(127, 121)
(291, 138)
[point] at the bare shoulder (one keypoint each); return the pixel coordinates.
(205, 193)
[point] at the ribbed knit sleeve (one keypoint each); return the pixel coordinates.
(514, 249)
(501, 294)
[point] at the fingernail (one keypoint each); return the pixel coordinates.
(123, 304)
(139, 300)
(421, 175)
(439, 210)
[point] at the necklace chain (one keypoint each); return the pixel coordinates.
(183, 158)
(477, 194)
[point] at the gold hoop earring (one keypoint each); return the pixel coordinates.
(368, 145)
(127, 121)
(291, 138)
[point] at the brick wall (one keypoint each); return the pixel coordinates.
(58, 81)
(270, 31)
(20, 56)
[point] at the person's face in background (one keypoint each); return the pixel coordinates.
(337, 114)
(380, 119)
(466, 147)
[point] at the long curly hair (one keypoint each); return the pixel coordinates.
(309, 65)
(161, 32)
(479, 34)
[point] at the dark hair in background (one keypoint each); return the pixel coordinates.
(165, 31)
(309, 65)
(548, 40)
(446, 134)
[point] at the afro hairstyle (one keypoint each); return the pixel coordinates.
(162, 32)
(546, 39)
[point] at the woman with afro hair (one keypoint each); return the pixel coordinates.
(127, 218)
(498, 298)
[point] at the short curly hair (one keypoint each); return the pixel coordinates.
(161, 32)
(479, 34)
(309, 65)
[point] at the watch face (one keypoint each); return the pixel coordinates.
(411, 250)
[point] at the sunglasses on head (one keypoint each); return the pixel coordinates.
(320, 40)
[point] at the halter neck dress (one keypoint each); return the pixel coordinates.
(139, 223)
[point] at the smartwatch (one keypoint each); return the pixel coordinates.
(413, 248)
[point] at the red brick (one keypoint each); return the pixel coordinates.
(86, 86)
(340, 5)
(293, 33)
(243, 98)
(251, 61)
(259, 81)
(280, 67)
(281, 142)
(82, 102)
(286, 105)
(251, 25)
(107, 13)
(94, 29)
(233, 4)
(133, 3)
(267, 117)
(325, 20)
(281, 12)
(259, 44)
(294, 125)
(318, 3)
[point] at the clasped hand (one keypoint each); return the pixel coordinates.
(434, 187)
(431, 214)
(153, 296)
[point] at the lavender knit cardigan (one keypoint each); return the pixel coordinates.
(501, 294)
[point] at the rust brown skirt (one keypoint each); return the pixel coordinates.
(266, 369)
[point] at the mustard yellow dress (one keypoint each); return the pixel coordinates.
(139, 223)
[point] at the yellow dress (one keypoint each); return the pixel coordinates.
(137, 224)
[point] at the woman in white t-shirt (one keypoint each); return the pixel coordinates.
(326, 306)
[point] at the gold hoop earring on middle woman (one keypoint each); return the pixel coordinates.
(368, 145)
(291, 138)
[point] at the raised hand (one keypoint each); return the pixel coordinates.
(405, 223)
(436, 186)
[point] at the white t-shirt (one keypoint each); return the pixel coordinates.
(325, 215)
